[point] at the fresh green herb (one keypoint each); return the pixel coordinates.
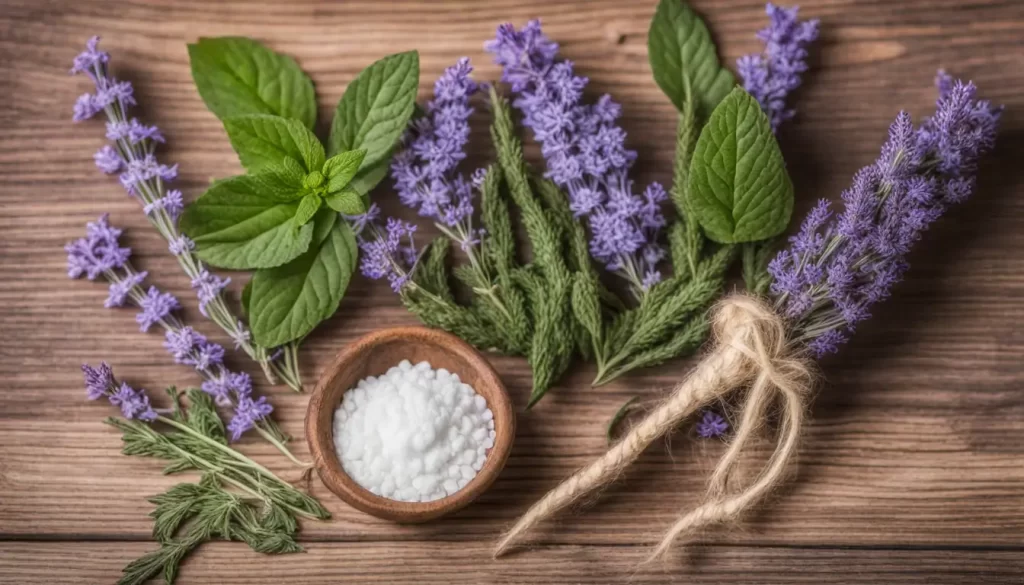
(376, 107)
(263, 141)
(236, 498)
(738, 185)
(289, 301)
(684, 58)
(617, 418)
(237, 76)
(553, 342)
(281, 218)
(245, 223)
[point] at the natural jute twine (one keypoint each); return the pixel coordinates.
(750, 350)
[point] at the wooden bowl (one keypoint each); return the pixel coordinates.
(373, 355)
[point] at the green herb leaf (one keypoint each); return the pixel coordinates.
(684, 59)
(246, 295)
(341, 168)
(289, 301)
(738, 186)
(586, 304)
(617, 418)
(348, 202)
(308, 206)
(237, 76)
(376, 107)
(239, 224)
(369, 177)
(263, 141)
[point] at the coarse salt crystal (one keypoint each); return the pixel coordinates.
(414, 434)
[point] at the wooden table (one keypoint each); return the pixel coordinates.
(912, 470)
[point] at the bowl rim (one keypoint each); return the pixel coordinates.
(328, 465)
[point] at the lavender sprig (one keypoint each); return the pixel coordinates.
(585, 153)
(131, 155)
(838, 266)
(773, 74)
(100, 254)
(426, 175)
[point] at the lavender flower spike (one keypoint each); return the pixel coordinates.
(132, 156)
(389, 253)
(134, 404)
(838, 266)
(772, 75)
(585, 153)
(100, 254)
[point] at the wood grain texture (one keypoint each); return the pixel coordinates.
(912, 470)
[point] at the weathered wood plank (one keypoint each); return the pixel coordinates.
(52, 563)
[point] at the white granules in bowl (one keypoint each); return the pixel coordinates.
(414, 434)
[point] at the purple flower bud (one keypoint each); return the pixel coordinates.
(97, 252)
(98, 381)
(108, 160)
(712, 425)
(134, 403)
(120, 289)
(88, 60)
(208, 287)
(156, 306)
(771, 76)
(247, 413)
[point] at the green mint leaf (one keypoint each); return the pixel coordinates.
(313, 180)
(237, 76)
(369, 177)
(279, 184)
(376, 107)
(348, 202)
(342, 168)
(238, 224)
(263, 141)
(738, 185)
(289, 301)
(246, 295)
(684, 59)
(308, 206)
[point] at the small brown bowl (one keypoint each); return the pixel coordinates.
(373, 355)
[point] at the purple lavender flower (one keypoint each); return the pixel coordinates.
(100, 383)
(98, 380)
(98, 252)
(772, 75)
(838, 266)
(712, 425)
(132, 156)
(208, 287)
(156, 306)
(585, 153)
(91, 255)
(248, 413)
(390, 253)
(425, 170)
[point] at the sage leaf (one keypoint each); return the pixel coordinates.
(738, 185)
(376, 107)
(237, 76)
(308, 206)
(684, 58)
(289, 301)
(342, 168)
(263, 141)
(347, 201)
(238, 225)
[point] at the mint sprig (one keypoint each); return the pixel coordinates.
(281, 218)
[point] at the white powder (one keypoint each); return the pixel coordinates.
(414, 434)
